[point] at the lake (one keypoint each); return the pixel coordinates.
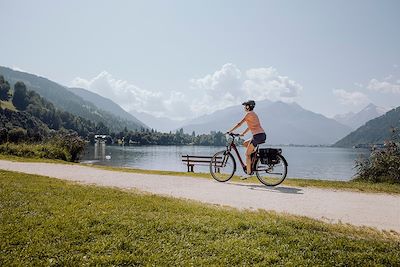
(325, 163)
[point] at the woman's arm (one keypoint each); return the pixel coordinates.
(245, 131)
(237, 125)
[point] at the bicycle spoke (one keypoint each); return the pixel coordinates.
(272, 175)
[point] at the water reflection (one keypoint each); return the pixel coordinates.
(304, 162)
(99, 151)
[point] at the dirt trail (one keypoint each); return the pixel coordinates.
(376, 210)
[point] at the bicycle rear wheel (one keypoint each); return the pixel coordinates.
(272, 174)
(222, 166)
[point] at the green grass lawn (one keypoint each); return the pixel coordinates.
(49, 222)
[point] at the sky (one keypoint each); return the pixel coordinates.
(182, 59)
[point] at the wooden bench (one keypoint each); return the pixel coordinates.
(190, 161)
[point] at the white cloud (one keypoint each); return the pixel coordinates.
(384, 86)
(351, 98)
(229, 86)
(127, 95)
(266, 83)
(225, 87)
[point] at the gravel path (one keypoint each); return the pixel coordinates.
(376, 210)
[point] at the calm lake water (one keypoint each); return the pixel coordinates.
(304, 162)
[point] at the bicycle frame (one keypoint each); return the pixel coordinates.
(234, 147)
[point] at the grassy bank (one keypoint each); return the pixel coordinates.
(358, 186)
(46, 221)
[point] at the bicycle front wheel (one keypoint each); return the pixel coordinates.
(222, 166)
(272, 174)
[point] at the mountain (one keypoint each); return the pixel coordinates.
(284, 123)
(161, 124)
(375, 131)
(65, 100)
(355, 120)
(105, 104)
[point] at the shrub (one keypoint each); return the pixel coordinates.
(17, 135)
(71, 142)
(35, 151)
(382, 165)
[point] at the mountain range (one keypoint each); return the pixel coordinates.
(162, 124)
(375, 131)
(355, 120)
(284, 123)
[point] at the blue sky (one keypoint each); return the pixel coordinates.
(186, 58)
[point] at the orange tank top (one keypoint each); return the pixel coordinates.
(253, 123)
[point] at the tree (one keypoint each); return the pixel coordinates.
(4, 89)
(20, 99)
(101, 128)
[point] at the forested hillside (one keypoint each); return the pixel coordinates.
(35, 117)
(375, 131)
(65, 100)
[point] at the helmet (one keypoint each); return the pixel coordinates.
(250, 103)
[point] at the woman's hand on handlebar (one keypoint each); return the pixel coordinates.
(232, 134)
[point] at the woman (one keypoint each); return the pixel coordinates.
(253, 125)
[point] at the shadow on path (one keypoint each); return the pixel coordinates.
(276, 189)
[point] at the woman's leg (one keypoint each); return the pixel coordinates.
(249, 150)
(246, 143)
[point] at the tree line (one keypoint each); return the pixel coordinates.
(152, 137)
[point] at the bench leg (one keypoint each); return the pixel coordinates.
(191, 168)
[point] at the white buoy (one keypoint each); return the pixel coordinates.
(108, 157)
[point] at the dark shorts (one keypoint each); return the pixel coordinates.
(258, 139)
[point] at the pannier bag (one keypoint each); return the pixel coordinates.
(269, 155)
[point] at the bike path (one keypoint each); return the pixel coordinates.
(381, 211)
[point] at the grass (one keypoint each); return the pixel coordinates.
(356, 186)
(49, 222)
(38, 160)
(7, 104)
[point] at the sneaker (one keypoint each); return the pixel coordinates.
(245, 176)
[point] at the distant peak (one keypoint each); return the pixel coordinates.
(370, 106)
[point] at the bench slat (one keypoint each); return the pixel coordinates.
(199, 157)
(194, 161)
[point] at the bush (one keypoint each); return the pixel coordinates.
(71, 142)
(17, 135)
(35, 151)
(382, 166)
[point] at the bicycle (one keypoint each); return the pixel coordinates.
(268, 164)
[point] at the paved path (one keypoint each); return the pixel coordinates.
(376, 210)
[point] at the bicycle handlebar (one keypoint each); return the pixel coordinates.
(233, 134)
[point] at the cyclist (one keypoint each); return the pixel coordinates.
(253, 125)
